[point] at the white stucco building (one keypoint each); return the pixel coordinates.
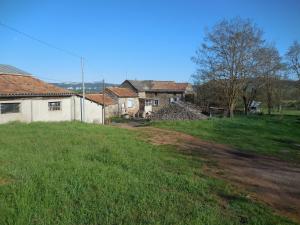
(27, 99)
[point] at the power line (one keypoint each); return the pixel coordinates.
(39, 40)
(59, 49)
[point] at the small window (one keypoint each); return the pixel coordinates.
(9, 108)
(175, 99)
(156, 102)
(129, 103)
(54, 106)
(148, 102)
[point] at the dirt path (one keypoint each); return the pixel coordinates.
(275, 182)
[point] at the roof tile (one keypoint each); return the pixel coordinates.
(122, 92)
(21, 85)
(98, 98)
(158, 86)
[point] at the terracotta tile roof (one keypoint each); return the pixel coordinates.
(23, 85)
(158, 86)
(122, 92)
(171, 86)
(98, 98)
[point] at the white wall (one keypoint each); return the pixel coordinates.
(148, 108)
(24, 115)
(36, 109)
(40, 111)
(93, 111)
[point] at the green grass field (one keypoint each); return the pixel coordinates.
(290, 112)
(73, 173)
(269, 135)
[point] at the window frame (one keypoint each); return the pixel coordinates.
(154, 102)
(16, 110)
(148, 102)
(54, 108)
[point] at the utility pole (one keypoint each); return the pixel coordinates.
(83, 91)
(103, 100)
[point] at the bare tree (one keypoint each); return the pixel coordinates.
(293, 59)
(226, 56)
(207, 95)
(269, 66)
(250, 91)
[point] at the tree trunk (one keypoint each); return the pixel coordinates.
(230, 112)
(246, 108)
(269, 103)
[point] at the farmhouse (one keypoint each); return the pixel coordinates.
(27, 99)
(127, 100)
(158, 93)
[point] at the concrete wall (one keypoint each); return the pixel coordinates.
(24, 115)
(36, 109)
(93, 111)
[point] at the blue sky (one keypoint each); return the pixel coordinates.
(131, 39)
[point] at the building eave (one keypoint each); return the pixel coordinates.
(13, 95)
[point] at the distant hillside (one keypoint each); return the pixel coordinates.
(89, 87)
(290, 89)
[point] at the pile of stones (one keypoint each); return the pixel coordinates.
(178, 111)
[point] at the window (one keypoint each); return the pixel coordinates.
(156, 102)
(175, 99)
(9, 108)
(148, 102)
(54, 106)
(129, 103)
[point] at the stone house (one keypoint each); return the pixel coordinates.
(27, 99)
(158, 93)
(127, 100)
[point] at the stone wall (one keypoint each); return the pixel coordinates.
(124, 106)
(163, 99)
